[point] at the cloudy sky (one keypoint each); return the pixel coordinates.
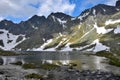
(17, 10)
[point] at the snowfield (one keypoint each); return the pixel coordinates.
(112, 22)
(99, 46)
(117, 30)
(102, 30)
(9, 40)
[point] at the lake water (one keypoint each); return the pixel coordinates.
(84, 62)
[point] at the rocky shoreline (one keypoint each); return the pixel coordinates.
(73, 74)
(10, 72)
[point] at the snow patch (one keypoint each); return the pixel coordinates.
(53, 18)
(79, 26)
(1, 18)
(41, 49)
(112, 22)
(6, 24)
(44, 39)
(99, 46)
(64, 26)
(9, 40)
(117, 9)
(94, 12)
(60, 34)
(67, 47)
(34, 27)
(84, 15)
(117, 30)
(61, 21)
(65, 62)
(104, 10)
(101, 30)
(48, 61)
(47, 42)
(118, 43)
(73, 18)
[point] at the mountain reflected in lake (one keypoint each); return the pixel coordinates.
(83, 62)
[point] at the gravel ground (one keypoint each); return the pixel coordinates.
(10, 72)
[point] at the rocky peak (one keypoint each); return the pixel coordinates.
(36, 18)
(6, 23)
(118, 4)
(105, 9)
(98, 9)
(60, 15)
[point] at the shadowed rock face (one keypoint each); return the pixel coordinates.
(1, 61)
(118, 4)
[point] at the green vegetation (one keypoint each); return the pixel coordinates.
(34, 76)
(113, 59)
(17, 63)
(7, 53)
(112, 25)
(45, 66)
(54, 43)
(29, 66)
(101, 24)
(49, 66)
(79, 44)
(60, 47)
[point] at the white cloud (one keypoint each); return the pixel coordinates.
(22, 8)
(111, 2)
(95, 2)
(1, 18)
(49, 6)
(17, 8)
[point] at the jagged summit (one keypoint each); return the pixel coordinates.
(36, 17)
(60, 15)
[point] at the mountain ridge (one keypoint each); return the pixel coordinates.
(34, 33)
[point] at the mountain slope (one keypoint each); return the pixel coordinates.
(96, 24)
(95, 29)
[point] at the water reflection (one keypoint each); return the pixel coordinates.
(1, 61)
(63, 58)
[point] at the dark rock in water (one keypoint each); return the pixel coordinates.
(1, 61)
(118, 4)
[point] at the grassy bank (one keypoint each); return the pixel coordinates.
(7, 53)
(113, 58)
